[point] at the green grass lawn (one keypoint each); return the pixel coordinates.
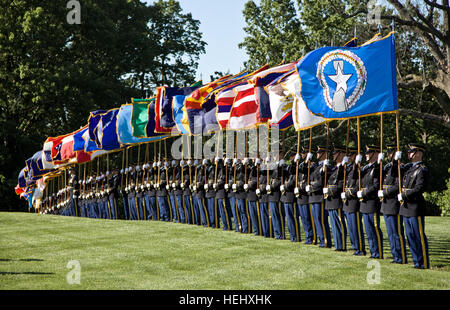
(35, 250)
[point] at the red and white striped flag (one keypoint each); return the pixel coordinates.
(244, 113)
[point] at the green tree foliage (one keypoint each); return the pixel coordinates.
(52, 73)
(333, 22)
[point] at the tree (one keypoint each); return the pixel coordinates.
(52, 74)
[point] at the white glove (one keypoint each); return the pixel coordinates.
(107, 173)
(326, 162)
(309, 156)
(166, 164)
(182, 185)
(214, 186)
(206, 187)
(246, 187)
(226, 187)
(155, 165)
(359, 194)
(358, 159)
(189, 162)
(380, 194)
(398, 155)
(282, 188)
(297, 158)
(217, 159)
(257, 161)
(174, 185)
(194, 188)
(296, 191)
(182, 163)
(233, 187)
(167, 187)
(235, 161)
(325, 190)
(343, 195)
(281, 162)
(138, 168)
(258, 192)
(205, 161)
(380, 157)
(246, 161)
(267, 159)
(308, 188)
(345, 160)
(159, 164)
(400, 198)
(268, 188)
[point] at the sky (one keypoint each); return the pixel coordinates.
(222, 24)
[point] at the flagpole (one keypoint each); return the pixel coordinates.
(346, 152)
(359, 151)
(397, 130)
(257, 181)
(268, 180)
(381, 151)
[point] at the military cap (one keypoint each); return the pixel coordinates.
(372, 149)
(391, 148)
(414, 147)
(321, 149)
(303, 150)
(352, 151)
(338, 149)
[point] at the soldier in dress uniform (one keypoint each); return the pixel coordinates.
(390, 206)
(132, 200)
(369, 202)
(161, 193)
(124, 192)
(231, 194)
(178, 192)
(150, 192)
(140, 187)
(266, 221)
(210, 193)
(113, 192)
(351, 203)
(302, 196)
(241, 195)
(171, 191)
(187, 194)
(315, 192)
(252, 198)
(288, 200)
(273, 191)
(199, 194)
(412, 205)
(333, 202)
(221, 194)
(74, 191)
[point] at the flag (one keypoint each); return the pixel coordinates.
(67, 151)
(163, 108)
(347, 82)
(244, 113)
(194, 113)
(261, 80)
(178, 106)
(22, 181)
(301, 116)
(52, 149)
(34, 167)
(106, 131)
(139, 118)
(93, 121)
(281, 101)
(125, 130)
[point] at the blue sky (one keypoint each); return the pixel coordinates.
(222, 24)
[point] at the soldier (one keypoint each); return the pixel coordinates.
(199, 189)
(252, 198)
(113, 192)
(132, 200)
(161, 193)
(412, 206)
(170, 190)
(187, 194)
(124, 191)
(315, 192)
(210, 193)
(221, 194)
(232, 195)
(241, 195)
(333, 202)
(369, 202)
(288, 200)
(390, 207)
(150, 192)
(140, 187)
(104, 198)
(302, 196)
(74, 191)
(178, 191)
(273, 191)
(351, 203)
(266, 221)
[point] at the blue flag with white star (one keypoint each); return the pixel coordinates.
(346, 82)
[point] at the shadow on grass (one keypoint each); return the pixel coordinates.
(5, 273)
(21, 260)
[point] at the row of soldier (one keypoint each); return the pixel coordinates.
(249, 196)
